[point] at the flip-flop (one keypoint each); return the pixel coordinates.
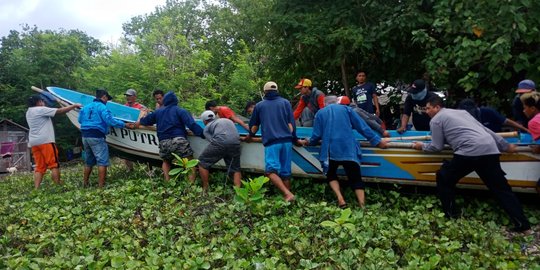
(343, 206)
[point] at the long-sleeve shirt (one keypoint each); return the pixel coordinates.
(95, 120)
(315, 102)
(334, 128)
(464, 134)
(171, 120)
(273, 115)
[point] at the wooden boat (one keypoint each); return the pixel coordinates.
(393, 165)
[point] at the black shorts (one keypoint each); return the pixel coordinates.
(214, 152)
(352, 170)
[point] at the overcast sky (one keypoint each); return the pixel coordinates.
(101, 19)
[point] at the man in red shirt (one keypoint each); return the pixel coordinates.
(312, 100)
(225, 112)
(131, 97)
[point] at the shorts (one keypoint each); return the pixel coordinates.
(214, 152)
(177, 145)
(278, 159)
(45, 156)
(352, 170)
(97, 151)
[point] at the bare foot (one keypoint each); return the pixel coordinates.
(289, 198)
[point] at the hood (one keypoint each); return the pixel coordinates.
(271, 95)
(170, 99)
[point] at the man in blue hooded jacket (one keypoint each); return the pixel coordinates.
(95, 120)
(171, 123)
(275, 117)
(333, 127)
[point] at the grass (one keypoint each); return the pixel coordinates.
(138, 221)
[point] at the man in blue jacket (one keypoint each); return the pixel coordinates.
(95, 120)
(171, 123)
(275, 117)
(334, 129)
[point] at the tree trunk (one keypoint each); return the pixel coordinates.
(344, 76)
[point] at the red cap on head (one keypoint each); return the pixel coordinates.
(343, 100)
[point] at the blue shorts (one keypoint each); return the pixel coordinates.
(97, 151)
(278, 158)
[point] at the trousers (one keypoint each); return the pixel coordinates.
(489, 169)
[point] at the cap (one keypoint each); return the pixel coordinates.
(208, 115)
(130, 92)
(344, 100)
(270, 86)
(103, 92)
(525, 86)
(416, 86)
(303, 83)
(33, 100)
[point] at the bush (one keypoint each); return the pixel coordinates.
(139, 222)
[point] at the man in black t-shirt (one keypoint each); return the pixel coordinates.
(415, 105)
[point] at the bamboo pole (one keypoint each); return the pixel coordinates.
(512, 134)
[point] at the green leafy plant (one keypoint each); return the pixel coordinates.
(343, 221)
(140, 223)
(185, 166)
(252, 191)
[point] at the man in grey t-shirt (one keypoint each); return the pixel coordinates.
(224, 144)
(41, 138)
(476, 148)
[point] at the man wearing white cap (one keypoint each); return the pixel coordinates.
(275, 118)
(525, 86)
(224, 144)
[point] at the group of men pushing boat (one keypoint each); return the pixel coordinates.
(476, 148)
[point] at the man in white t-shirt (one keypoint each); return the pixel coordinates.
(41, 138)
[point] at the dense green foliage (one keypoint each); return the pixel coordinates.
(140, 222)
(226, 50)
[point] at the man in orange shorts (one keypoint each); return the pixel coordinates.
(41, 138)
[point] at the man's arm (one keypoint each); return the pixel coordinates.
(147, 120)
(404, 122)
(320, 101)
(187, 119)
(437, 138)
(64, 110)
(254, 122)
(299, 109)
(235, 119)
(316, 132)
(376, 104)
(106, 115)
(514, 124)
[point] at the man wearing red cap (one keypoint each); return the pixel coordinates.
(525, 86)
(333, 128)
(311, 101)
